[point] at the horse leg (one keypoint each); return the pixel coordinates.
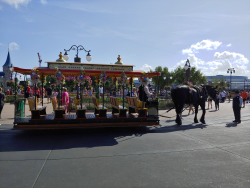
(202, 120)
(178, 111)
(196, 112)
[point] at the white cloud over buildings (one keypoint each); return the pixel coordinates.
(16, 3)
(146, 68)
(203, 45)
(219, 62)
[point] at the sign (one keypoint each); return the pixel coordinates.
(93, 68)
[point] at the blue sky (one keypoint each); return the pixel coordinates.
(213, 34)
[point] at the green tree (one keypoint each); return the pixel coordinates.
(164, 73)
(50, 79)
(196, 77)
(220, 82)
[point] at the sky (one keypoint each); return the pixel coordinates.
(213, 35)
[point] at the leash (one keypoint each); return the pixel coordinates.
(169, 110)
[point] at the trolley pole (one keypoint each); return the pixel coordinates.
(131, 86)
(81, 94)
(42, 89)
(35, 97)
(123, 96)
(103, 96)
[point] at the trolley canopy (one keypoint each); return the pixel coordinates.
(73, 69)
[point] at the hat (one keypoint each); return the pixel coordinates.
(237, 92)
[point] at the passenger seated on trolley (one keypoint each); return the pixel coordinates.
(144, 94)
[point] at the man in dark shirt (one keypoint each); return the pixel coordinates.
(49, 94)
(237, 103)
(2, 99)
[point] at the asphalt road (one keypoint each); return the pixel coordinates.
(192, 155)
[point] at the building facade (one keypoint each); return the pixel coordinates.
(236, 82)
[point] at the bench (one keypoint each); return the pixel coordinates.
(36, 111)
(77, 102)
(136, 106)
(54, 102)
(102, 111)
(116, 108)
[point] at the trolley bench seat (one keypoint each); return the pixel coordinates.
(116, 108)
(101, 110)
(36, 111)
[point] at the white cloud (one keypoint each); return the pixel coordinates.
(1, 44)
(43, 2)
(28, 20)
(146, 68)
(13, 46)
(229, 45)
(1, 7)
(220, 64)
(231, 55)
(16, 3)
(203, 45)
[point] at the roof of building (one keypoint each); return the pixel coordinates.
(8, 62)
(2, 74)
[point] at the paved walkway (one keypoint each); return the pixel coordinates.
(191, 155)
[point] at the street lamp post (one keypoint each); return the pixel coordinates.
(231, 71)
(187, 68)
(244, 82)
(77, 59)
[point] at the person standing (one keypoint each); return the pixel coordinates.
(101, 91)
(229, 96)
(190, 109)
(223, 95)
(65, 99)
(2, 99)
(210, 102)
(134, 93)
(237, 103)
(217, 101)
(248, 96)
(49, 94)
(244, 97)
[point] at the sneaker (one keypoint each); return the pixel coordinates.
(193, 113)
(188, 113)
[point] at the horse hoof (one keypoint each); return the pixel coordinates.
(196, 121)
(180, 123)
(203, 121)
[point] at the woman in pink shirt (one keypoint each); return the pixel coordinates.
(65, 99)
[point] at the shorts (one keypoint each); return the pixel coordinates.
(229, 97)
(27, 95)
(48, 96)
(210, 100)
(244, 100)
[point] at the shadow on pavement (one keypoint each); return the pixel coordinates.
(66, 139)
(231, 125)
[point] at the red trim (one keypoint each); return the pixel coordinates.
(68, 71)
